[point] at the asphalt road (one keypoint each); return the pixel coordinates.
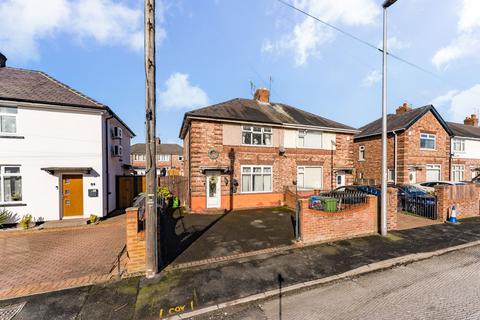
(444, 287)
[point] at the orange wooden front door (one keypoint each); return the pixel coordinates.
(72, 186)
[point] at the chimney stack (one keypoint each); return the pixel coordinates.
(262, 95)
(405, 107)
(471, 121)
(3, 61)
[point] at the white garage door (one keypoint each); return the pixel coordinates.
(310, 177)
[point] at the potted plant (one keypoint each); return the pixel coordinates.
(26, 221)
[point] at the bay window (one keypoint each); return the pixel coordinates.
(256, 179)
(10, 184)
(257, 136)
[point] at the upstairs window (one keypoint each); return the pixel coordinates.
(309, 139)
(361, 153)
(427, 141)
(163, 157)
(138, 157)
(8, 120)
(458, 145)
(117, 133)
(10, 184)
(257, 136)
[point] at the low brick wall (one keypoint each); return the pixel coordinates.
(135, 243)
(464, 197)
(320, 226)
(392, 209)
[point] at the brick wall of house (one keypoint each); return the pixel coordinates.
(135, 242)
(464, 197)
(316, 225)
(206, 136)
(470, 166)
(174, 163)
(409, 153)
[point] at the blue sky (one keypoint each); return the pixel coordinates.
(209, 50)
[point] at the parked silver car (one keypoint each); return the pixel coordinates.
(430, 186)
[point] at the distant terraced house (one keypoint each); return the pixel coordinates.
(243, 153)
(59, 149)
(169, 159)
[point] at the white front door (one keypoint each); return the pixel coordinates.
(340, 179)
(214, 198)
(412, 176)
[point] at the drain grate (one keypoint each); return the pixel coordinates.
(10, 311)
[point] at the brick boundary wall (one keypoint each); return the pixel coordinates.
(317, 225)
(135, 243)
(392, 209)
(464, 197)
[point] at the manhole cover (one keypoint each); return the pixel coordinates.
(8, 312)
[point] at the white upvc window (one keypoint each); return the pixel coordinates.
(310, 177)
(163, 157)
(434, 172)
(391, 175)
(256, 179)
(458, 145)
(361, 153)
(458, 172)
(8, 120)
(256, 136)
(10, 184)
(138, 157)
(428, 141)
(310, 139)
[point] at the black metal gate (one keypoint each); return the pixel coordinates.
(420, 205)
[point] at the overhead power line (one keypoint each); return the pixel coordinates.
(354, 37)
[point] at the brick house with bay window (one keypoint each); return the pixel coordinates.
(243, 153)
(418, 147)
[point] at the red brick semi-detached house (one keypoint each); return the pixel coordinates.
(243, 153)
(465, 149)
(418, 147)
(169, 158)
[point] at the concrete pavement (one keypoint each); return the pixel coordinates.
(443, 287)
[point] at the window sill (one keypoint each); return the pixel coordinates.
(12, 204)
(2, 136)
(255, 192)
(423, 149)
(257, 145)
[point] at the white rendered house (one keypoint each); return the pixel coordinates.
(60, 151)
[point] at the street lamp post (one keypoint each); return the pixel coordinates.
(383, 214)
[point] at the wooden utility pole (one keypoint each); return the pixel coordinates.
(150, 143)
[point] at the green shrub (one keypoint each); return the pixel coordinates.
(5, 216)
(93, 218)
(164, 192)
(26, 221)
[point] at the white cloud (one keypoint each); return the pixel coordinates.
(24, 23)
(466, 43)
(372, 78)
(308, 35)
(180, 94)
(393, 44)
(460, 103)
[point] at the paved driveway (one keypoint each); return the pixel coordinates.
(195, 237)
(51, 259)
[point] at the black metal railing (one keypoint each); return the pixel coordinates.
(337, 201)
(420, 205)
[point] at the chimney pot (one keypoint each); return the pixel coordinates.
(262, 95)
(3, 61)
(405, 107)
(471, 121)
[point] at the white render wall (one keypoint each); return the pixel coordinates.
(472, 150)
(60, 138)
